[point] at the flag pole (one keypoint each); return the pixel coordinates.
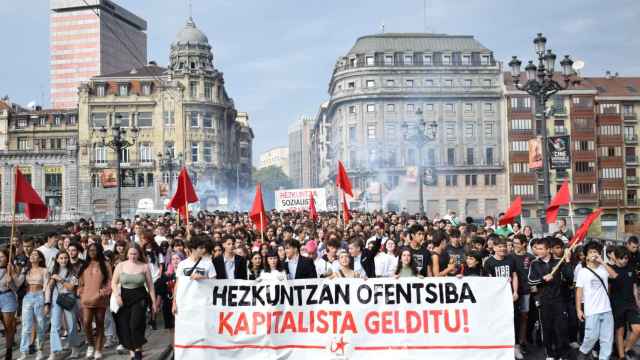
(186, 210)
(261, 227)
(573, 224)
(13, 218)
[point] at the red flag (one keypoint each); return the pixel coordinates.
(312, 207)
(185, 194)
(257, 214)
(563, 197)
(34, 206)
(342, 180)
(346, 216)
(512, 213)
(582, 232)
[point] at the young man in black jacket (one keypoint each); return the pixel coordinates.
(229, 265)
(363, 259)
(550, 300)
(297, 266)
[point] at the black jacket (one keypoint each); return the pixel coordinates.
(240, 271)
(367, 259)
(306, 269)
(552, 291)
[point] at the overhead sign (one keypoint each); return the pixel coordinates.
(559, 152)
(346, 319)
(298, 199)
(535, 153)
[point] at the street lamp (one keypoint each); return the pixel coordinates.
(540, 84)
(117, 143)
(167, 162)
(421, 136)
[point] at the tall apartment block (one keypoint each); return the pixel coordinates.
(89, 38)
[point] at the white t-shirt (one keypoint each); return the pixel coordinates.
(322, 266)
(205, 267)
(385, 264)
(596, 300)
(49, 255)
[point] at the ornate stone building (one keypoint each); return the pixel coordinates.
(43, 145)
(184, 116)
(380, 84)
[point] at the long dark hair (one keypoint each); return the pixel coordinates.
(272, 253)
(42, 261)
(412, 263)
(141, 256)
(56, 266)
(100, 258)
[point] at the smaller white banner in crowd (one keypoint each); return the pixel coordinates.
(407, 318)
(298, 199)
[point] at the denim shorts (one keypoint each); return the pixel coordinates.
(8, 302)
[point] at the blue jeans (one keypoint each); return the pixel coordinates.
(598, 327)
(32, 305)
(57, 313)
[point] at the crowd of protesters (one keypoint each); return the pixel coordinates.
(102, 286)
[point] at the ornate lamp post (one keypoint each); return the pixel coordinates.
(540, 84)
(420, 137)
(117, 143)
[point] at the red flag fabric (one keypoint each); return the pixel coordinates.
(342, 180)
(185, 194)
(346, 215)
(583, 230)
(257, 214)
(563, 197)
(312, 207)
(512, 213)
(34, 206)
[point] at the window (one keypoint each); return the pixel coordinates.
(408, 59)
(124, 156)
(519, 146)
(449, 108)
(431, 157)
(486, 82)
(468, 83)
(193, 116)
(586, 189)
(145, 119)
(371, 132)
(57, 120)
(520, 168)
(146, 153)
(521, 103)
(408, 83)
(522, 190)
(207, 121)
(193, 89)
(122, 119)
(55, 143)
(410, 108)
(351, 85)
(388, 59)
(140, 179)
(352, 109)
(428, 107)
(558, 127)
(489, 155)
(469, 130)
(521, 124)
(448, 83)
(450, 130)
(99, 120)
(585, 166)
(22, 123)
(627, 109)
(611, 173)
(207, 91)
(194, 152)
(488, 107)
(391, 83)
(466, 59)
(72, 120)
(352, 62)
(488, 129)
(95, 180)
(24, 143)
(371, 83)
(123, 89)
(451, 156)
(371, 108)
(446, 59)
(451, 180)
(629, 132)
(169, 118)
(609, 130)
(468, 107)
(428, 83)
(391, 107)
(208, 151)
(149, 179)
(100, 154)
(370, 61)
(100, 90)
(585, 145)
(484, 60)
(471, 180)
(427, 59)
(146, 89)
(390, 132)
(470, 159)
(609, 108)
(169, 148)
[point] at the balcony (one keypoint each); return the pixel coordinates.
(631, 159)
(561, 131)
(633, 181)
(630, 117)
(559, 111)
(631, 139)
(633, 202)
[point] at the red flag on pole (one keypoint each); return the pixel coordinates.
(24, 193)
(563, 197)
(346, 216)
(582, 232)
(512, 213)
(342, 180)
(257, 214)
(185, 195)
(312, 207)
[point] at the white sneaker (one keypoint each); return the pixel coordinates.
(52, 356)
(39, 355)
(121, 350)
(75, 353)
(89, 352)
(23, 356)
(98, 355)
(550, 358)
(517, 352)
(110, 342)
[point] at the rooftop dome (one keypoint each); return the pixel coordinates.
(191, 34)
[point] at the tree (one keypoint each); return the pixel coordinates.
(272, 178)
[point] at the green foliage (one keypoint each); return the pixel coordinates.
(271, 178)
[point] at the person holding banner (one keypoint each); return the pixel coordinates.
(623, 302)
(273, 269)
(196, 267)
(406, 265)
(229, 265)
(345, 271)
(297, 266)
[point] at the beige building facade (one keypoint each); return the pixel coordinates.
(278, 156)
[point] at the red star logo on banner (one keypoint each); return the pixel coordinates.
(340, 346)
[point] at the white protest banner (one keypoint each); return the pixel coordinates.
(298, 199)
(406, 318)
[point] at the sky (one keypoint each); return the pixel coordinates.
(277, 56)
